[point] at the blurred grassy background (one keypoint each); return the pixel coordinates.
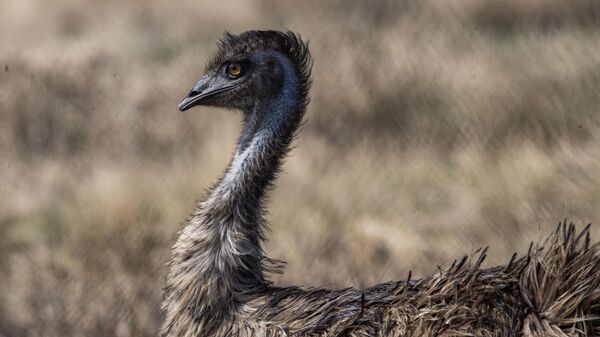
(435, 128)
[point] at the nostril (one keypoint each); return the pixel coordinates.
(195, 93)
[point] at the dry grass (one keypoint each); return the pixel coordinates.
(435, 128)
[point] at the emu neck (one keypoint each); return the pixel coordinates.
(218, 261)
(268, 129)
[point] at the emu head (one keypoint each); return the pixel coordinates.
(249, 68)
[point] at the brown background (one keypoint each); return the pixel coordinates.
(435, 128)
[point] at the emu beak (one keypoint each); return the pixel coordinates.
(207, 87)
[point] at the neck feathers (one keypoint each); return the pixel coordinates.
(218, 262)
(269, 128)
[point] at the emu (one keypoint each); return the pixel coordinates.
(218, 281)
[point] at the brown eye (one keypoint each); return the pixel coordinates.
(234, 69)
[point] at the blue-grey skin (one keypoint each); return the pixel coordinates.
(217, 283)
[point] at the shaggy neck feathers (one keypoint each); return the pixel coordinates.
(218, 261)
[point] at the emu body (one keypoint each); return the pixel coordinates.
(218, 281)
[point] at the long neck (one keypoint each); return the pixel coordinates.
(218, 260)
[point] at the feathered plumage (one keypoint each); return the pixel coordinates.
(218, 280)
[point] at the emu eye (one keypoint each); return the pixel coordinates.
(234, 69)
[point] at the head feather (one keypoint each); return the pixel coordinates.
(234, 47)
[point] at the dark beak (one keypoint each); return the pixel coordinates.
(206, 88)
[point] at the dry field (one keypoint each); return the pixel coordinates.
(435, 128)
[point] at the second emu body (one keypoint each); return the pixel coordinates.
(218, 280)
